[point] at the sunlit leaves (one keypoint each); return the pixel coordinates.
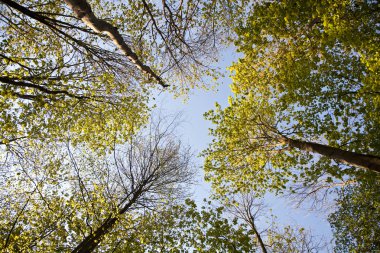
(188, 228)
(356, 222)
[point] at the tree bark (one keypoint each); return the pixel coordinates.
(83, 11)
(369, 162)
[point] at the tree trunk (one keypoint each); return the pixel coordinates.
(262, 245)
(369, 162)
(251, 221)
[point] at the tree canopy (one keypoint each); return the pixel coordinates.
(355, 223)
(305, 92)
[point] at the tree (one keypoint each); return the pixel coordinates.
(77, 70)
(57, 198)
(249, 210)
(252, 211)
(306, 98)
(355, 222)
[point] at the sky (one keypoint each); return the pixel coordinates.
(194, 132)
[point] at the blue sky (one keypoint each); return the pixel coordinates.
(194, 131)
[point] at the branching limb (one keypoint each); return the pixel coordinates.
(84, 12)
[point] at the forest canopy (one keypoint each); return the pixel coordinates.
(88, 165)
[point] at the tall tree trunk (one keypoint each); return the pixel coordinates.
(369, 162)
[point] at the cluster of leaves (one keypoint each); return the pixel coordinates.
(187, 228)
(292, 239)
(356, 223)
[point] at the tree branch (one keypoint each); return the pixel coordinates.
(84, 12)
(21, 83)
